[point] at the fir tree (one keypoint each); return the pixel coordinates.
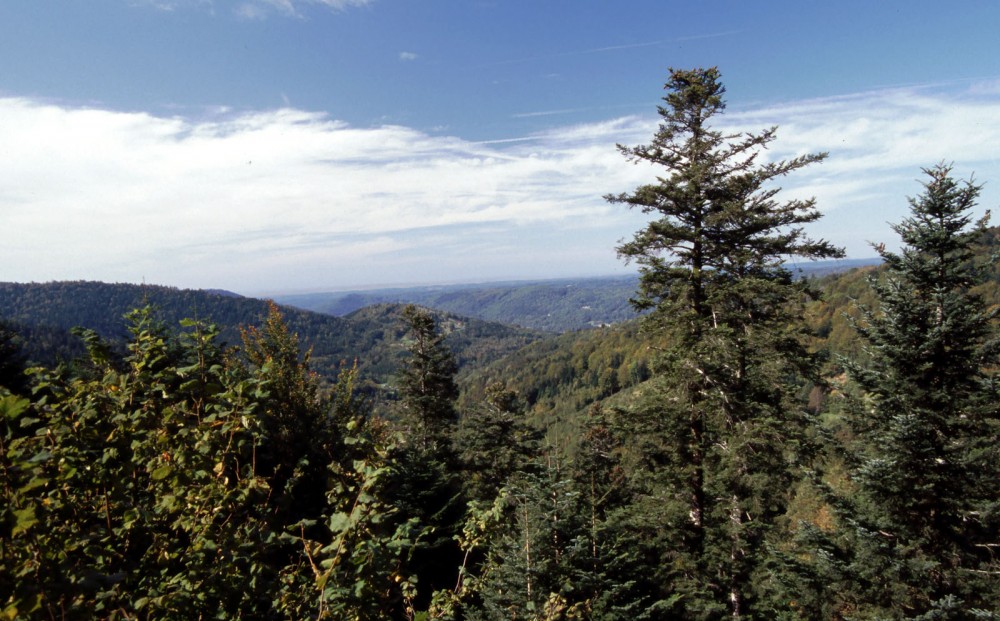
(426, 485)
(427, 385)
(532, 567)
(920, 519)
(606, 569)
(723, 420)
(495, 443)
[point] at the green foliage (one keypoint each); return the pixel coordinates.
(550, 551)
(919, 522)
(494, 442)
(178, 485)
(726, 431)
(530, 569)
(426, 486)
(427, 386)
(44, 314)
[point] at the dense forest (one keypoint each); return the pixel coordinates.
(46, 315)
(750, 445)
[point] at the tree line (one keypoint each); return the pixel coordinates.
(182, 479)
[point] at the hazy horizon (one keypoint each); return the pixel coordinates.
(265, 146)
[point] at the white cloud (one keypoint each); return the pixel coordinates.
(169, 5)
(111, 195)
(339, 4)
(259, 9)
(877, 143)
(407, 56)
(288, 198)
(256, 9)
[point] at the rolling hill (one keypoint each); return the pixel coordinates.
(44, 314)
(551, 305)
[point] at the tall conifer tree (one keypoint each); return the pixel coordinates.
(723, 423)
(428, 384)
(426, 483)
(920, 518)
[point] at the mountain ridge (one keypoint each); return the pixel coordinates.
(552, 305)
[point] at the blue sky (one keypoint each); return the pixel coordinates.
(269, 146)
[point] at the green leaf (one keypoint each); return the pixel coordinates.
(161, 473)
(339, 522)
(35, 482)
(11, 406)
(23, 520)
(40, 457)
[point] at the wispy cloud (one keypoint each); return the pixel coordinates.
(171, 5)
(290, 198)
(407, 56)
(877, 143)
(117, 196)
(528, 115)
(256, 9)
(294, 7)
(614, 48)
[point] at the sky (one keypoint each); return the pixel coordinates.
(279, 146)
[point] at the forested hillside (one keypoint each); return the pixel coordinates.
(552, 305)
(560, 379)
(755, 446)
(46, 312)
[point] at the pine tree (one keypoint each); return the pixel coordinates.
(729, 318)
(920, 518)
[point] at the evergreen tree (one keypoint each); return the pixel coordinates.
(724, 420)
(425, 484)
(920, 517)
(606, 569)
(494, 443)
(427, 385)
(299, 438)
(532, 567)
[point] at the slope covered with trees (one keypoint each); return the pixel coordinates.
(46, 312)
(553, 305)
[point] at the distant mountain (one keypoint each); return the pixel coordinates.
(45, 313)
(223, 292)
(550, 305)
